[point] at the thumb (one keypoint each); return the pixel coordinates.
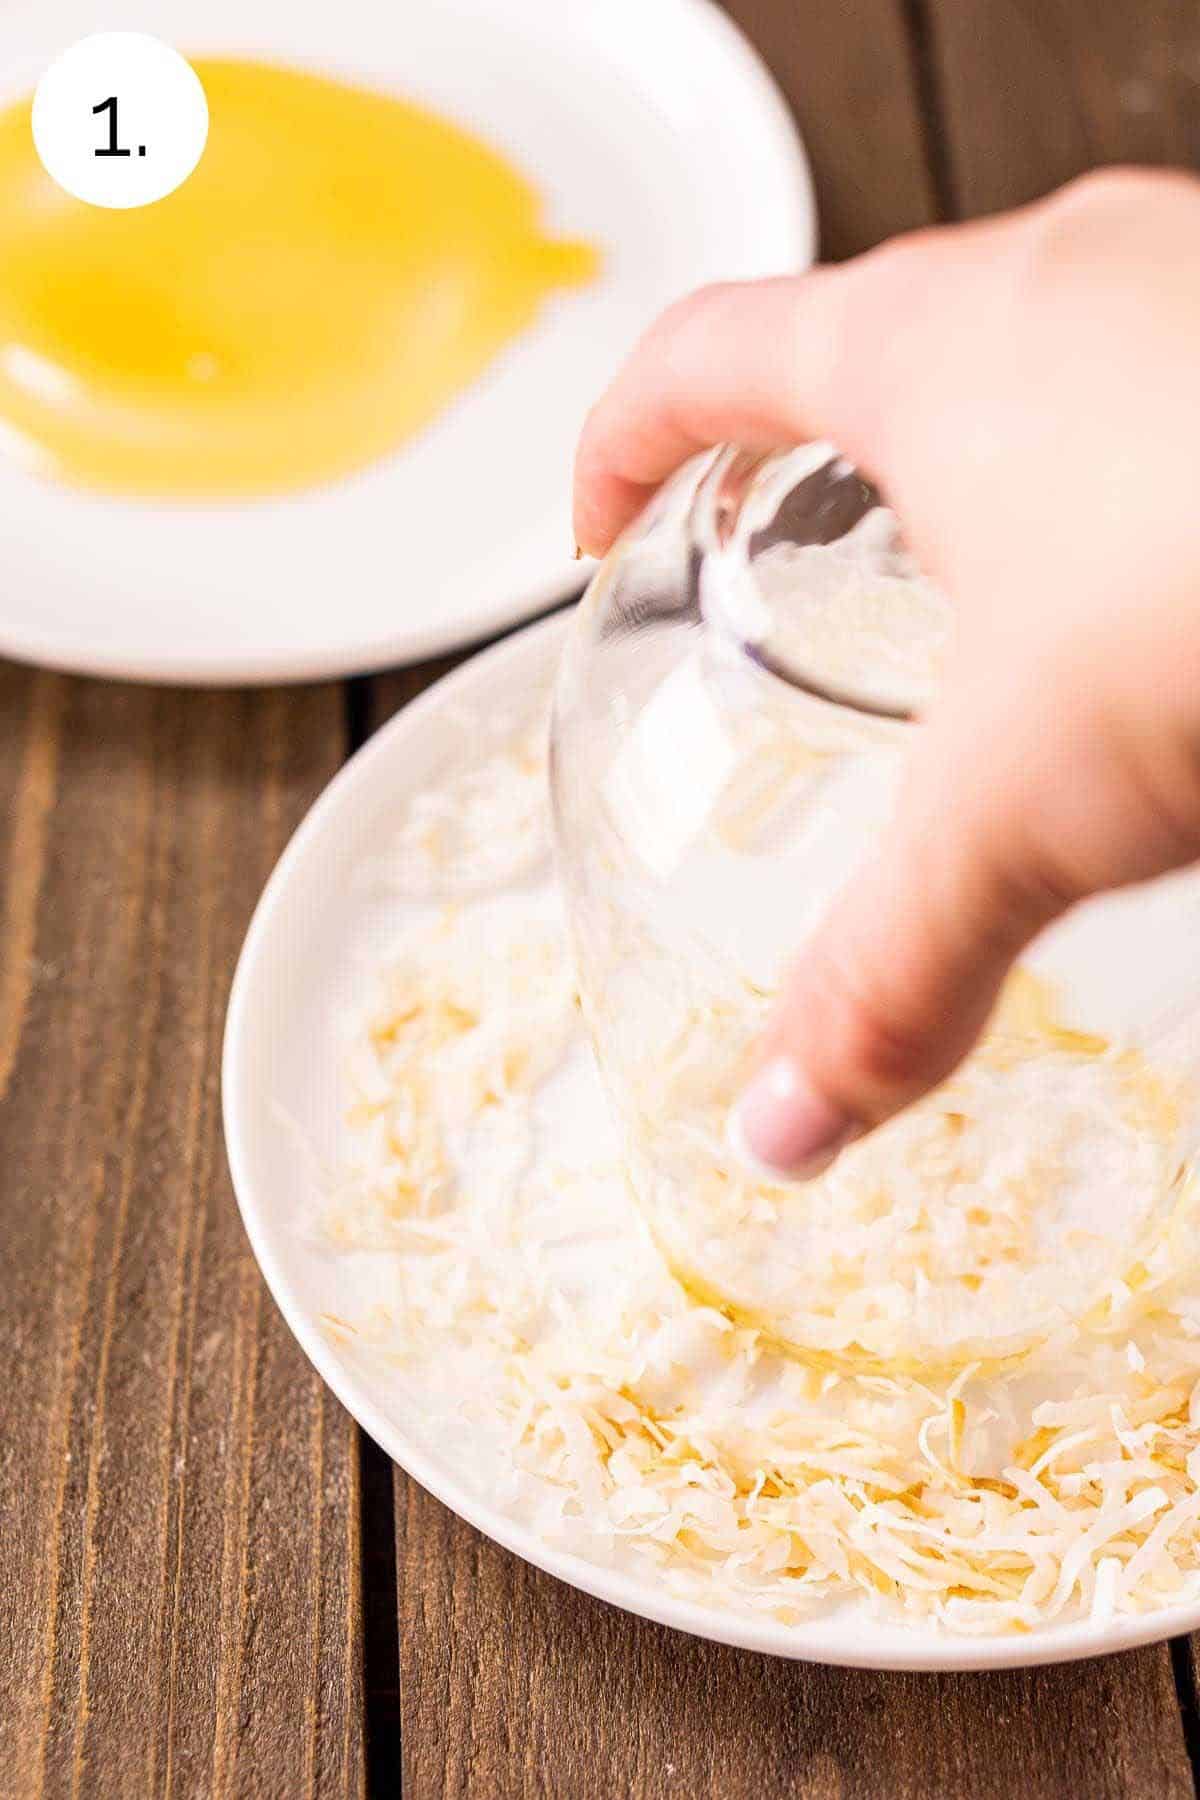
(899, 979)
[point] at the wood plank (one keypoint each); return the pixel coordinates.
(515, 1685)
(1035, 91)
(387, 692)
(179, 1597)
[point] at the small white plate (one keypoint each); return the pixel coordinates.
(651, 129)
(283, 1069)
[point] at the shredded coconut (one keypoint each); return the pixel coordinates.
(643, 1417)
(991, 1216)
(482, 828)
(857, 615)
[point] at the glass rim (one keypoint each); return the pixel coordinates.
(720, 531)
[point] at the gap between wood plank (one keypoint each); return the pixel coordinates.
(380, 1616)
(1183, 1669)
(935, 140)
(357, 705)
(380, 1648)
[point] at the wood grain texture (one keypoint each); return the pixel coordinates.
(385, 694)
(1035, 91)
(514, 1685)
(179, 1597)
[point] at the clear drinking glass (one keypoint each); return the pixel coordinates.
(744, 682)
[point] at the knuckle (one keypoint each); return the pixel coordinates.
(901, 259)
(684, 339)
(699, 310)
(1164, 799)
(865, 1036)
(1104, 190)
(884, 316)
(882, 295)
(1028, 891)
(1119, 188)
(1089, 211)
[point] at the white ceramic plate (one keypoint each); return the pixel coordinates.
(652, 130)
(283, 1068)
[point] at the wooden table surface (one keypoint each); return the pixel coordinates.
(210, 1581)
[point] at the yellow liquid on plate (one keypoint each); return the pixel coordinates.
(337, 268)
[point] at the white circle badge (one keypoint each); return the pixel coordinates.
(120, 119)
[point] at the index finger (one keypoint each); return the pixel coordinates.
(836, 353)
(753, 363)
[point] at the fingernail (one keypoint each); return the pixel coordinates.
(786, 1127)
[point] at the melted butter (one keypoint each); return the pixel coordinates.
(337, 268)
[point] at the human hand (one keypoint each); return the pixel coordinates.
(1026, 392)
